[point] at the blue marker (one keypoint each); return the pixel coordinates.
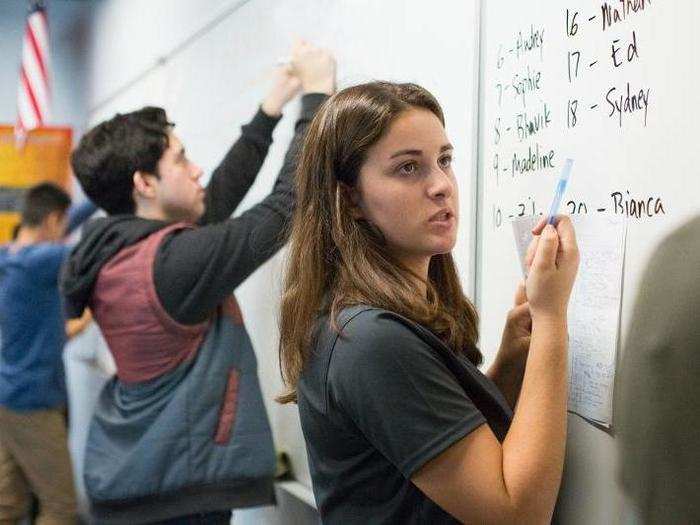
(559, 193)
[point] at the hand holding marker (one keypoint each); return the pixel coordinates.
(551, 216)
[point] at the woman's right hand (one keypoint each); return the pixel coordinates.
(552, 261)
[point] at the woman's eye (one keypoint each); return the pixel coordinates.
(446, 161)
(410, 168)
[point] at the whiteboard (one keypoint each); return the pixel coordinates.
(213, 86)
(550, 88)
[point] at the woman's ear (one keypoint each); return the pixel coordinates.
(144, 185)
(354, 199)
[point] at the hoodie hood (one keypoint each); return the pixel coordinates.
(102, 239)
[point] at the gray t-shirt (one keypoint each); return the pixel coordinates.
(376, 404)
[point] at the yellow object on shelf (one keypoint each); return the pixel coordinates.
(43, 157)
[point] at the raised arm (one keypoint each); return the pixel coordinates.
(235, 175)
(196, 269)
(478, 479)
(79, 213)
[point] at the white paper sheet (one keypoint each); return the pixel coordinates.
(594, 311)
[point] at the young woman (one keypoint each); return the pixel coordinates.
(378, 340)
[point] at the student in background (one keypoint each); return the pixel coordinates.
(657, 390)
(77, 326)
(33, 442)
(378, 341)
(181, 434)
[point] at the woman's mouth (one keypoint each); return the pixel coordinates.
(442, 217)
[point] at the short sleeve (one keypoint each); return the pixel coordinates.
(397, 391)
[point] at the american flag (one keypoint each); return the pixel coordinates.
(34, 95)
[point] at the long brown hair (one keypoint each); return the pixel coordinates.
(335, 260)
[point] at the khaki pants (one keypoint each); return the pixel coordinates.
(34, 457)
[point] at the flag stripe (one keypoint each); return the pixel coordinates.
(39, 24)
(43, 39)
(34, 45)
(34, 91)
(37, 29)
(30, 96)
(25, 110)
(36, 81)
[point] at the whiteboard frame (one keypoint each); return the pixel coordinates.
(476, 192)
(478, 153)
